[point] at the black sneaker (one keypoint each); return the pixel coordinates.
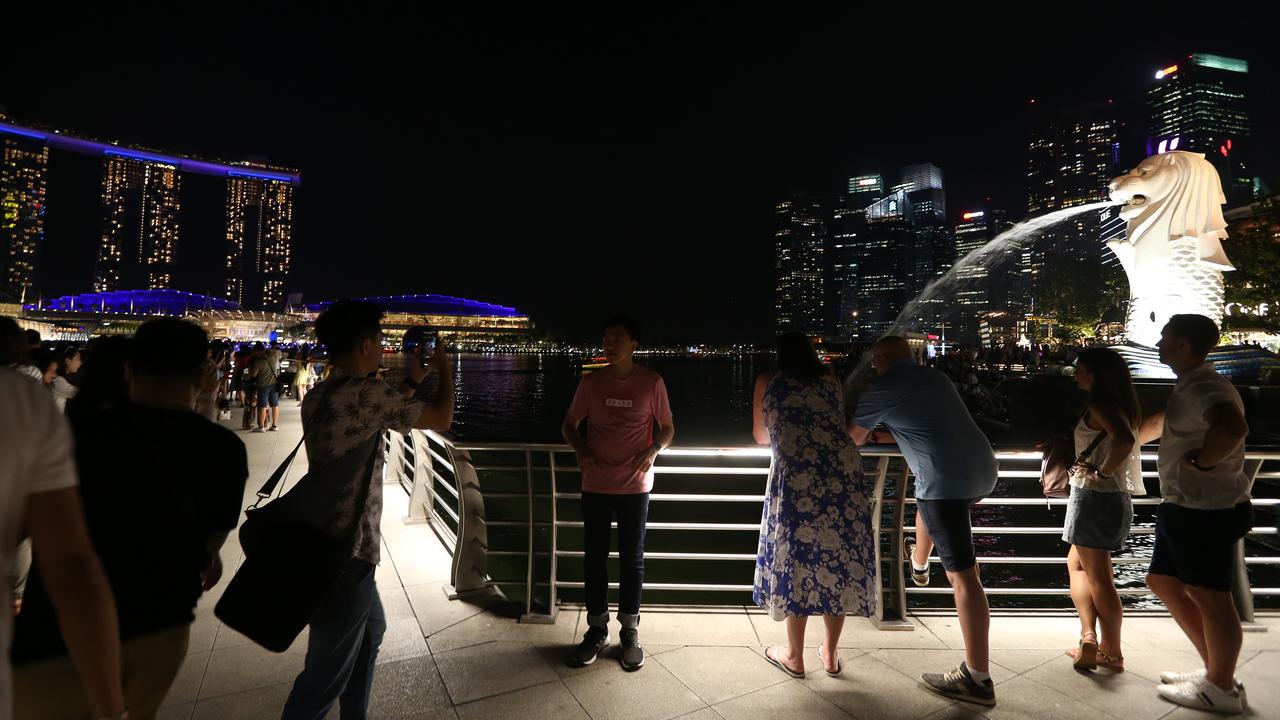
(960, 685)
(588, 650)
(632, 657)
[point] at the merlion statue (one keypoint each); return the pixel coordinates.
(1172, 251)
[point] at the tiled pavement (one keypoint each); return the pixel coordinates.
(449, 659)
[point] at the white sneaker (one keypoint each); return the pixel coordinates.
(1169, 677)
(1204, 695)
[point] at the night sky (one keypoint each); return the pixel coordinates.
(577, 165)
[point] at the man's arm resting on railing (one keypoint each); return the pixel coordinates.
(1227, 429)
(861, 436)
(81, 596)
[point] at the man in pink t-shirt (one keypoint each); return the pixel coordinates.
(621, 405)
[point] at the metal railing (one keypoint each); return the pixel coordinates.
(508, 513)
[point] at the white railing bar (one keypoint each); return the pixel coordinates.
(669, 586)
(670, 556)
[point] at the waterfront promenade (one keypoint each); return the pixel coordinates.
(449, 659)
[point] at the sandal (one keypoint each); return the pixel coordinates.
(839, 665)
(773, 660)
(1085, 655)
(1110, 662)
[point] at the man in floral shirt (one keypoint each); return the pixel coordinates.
(348, 413)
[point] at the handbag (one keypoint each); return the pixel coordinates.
(1055, 466)
(292, 558)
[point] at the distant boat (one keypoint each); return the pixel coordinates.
(595, 363)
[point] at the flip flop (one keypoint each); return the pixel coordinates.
(773, 660)
(839, 664)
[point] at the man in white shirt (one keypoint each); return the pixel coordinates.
(38, 490)
(1205, 511)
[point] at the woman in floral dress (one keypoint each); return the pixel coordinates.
(817, 548)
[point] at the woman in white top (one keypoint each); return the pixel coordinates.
(1100, 509)
(61, 388)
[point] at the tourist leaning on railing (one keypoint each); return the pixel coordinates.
(817, 543)
(954, 469)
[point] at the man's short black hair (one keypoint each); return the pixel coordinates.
(169, 348)
(10, 340)
(33, 338)
(626, 322)
(341, 328)
(1198, 330)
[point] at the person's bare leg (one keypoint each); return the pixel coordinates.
(793, 654)
(1081, 597)
(924, 543)
(275, 416)
(1222, 634)
(974, 615)
(1173, 593)
(833, 625)
(262, 417)
(1106, 601)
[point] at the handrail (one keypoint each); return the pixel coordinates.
(524, 482)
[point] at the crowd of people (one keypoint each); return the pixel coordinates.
(128, 498)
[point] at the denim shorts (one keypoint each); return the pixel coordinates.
(268, 395)
(1098, 520)
(949, 525)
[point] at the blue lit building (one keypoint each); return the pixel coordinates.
(460, 322)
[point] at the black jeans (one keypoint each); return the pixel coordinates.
(632, 512)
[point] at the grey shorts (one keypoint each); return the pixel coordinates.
(1098, 520)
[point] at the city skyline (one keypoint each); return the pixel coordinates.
(627, 162)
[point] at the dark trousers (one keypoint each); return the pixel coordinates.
(632, 512)
(346, 631)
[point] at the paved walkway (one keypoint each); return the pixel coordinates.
(444, 659)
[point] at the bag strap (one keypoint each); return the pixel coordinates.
(1093, 445)
(269, 487)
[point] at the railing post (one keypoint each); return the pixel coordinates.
(1241, 593)
(470, 571)
(393, 457)
(891, 614)
(423, 479)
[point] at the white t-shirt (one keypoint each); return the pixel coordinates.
(62, 391)
(1226, 485)
(36, 455)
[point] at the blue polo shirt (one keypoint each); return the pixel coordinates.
(951, 457)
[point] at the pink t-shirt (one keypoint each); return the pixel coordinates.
(620, 414)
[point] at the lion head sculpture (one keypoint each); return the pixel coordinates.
(1172, 196)
(1172, 252)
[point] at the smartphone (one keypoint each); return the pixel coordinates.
(420, 336)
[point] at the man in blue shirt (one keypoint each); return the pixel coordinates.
(954, 468)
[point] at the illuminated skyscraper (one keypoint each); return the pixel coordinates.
(259, 241)
(800, 238)
(846, 230)
(140, 233)
(22, 193)
(1199, 105)
(982, 287)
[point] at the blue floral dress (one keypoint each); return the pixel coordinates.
(817, 550)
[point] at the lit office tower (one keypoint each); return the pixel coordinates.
(1071, 157)
(800, 238)
(141, 226)
(848, 225)
(1199, 105)
(984, 284)
(259, 241)
(22, 192)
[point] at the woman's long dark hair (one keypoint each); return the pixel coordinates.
(1111, 382)
(798, 359)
